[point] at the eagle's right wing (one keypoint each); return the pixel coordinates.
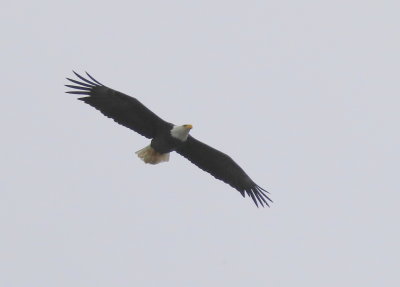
(123, 109)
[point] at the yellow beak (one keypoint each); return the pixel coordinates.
(188, 126)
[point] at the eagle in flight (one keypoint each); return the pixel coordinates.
(165, 137)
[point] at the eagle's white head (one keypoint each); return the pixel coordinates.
(181, 132)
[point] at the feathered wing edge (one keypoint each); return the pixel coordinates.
(257, 193)
(84, 87)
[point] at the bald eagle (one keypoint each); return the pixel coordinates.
(165, 137)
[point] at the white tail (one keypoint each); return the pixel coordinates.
(149, 155)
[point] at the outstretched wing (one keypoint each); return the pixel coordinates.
(123, 109)
(222, 167)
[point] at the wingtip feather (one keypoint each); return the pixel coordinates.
(97, 82)
(257, 194)
(83, 79)
(78, 93)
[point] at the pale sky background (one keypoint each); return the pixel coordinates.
(304, 95)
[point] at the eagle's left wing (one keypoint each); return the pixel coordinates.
(222, 167)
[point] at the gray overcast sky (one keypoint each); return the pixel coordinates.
(304, 95)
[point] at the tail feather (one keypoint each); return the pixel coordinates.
(149, 155)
